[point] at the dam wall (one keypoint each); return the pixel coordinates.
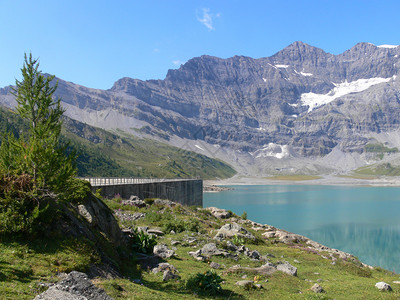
(184, 191)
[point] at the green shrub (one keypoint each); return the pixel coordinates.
(143, 242)
(207, 283)
(22, 206)
(244, 215)
(238, 241)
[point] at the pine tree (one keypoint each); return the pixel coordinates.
(38, 153)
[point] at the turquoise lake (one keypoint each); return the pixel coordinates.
(363, 221)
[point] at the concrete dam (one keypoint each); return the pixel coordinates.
(183, 191)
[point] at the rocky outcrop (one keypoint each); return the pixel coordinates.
(74, 286)
(232, 230)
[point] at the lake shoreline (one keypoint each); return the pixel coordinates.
(324, 180)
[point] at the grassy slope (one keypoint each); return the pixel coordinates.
(104, 154)
(25, 264)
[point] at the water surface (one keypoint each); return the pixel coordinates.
(363, 221)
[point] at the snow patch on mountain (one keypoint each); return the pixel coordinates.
(313, 100)
(282, 66)
(388, 46)
(272, 150)
(303, 73)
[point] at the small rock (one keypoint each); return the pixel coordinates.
(169, 275)
(164, 202)
(396, 282)
(211, 249)
(258, 286)
(319, 280)
(247, 284)
(254, 255)
(287, 268)
(138, 203)
(316, 288)
(268, 234)
(231, 230)
(244, 276)
(172, 232)
(197, 255)
(214, 265)
(296, 261)
(161, 267)
(162, 251)
(155, 232)
(173, 243)
(383, 286)
(316, 273)
(219, 213)
(231, 246)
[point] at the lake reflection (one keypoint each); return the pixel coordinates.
(361, 220)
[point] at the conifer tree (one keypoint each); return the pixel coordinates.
(38, 152)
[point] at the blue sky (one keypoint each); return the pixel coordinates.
(94, 43)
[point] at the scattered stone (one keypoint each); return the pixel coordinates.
(164, 202)
(219, 213)
(143, 228)
(214, 265)
(242, 249)
(161, 267)
(211, 249)
(247, 284)
(316, 288)
(396, 282)
(258, 286)
(126, 216)
(155, 232)
(172, 232)
(287, 268)
(296, 261)
(76, 286)
(173, 243)
(244, 276)
(266, 269)
(138, 203)
(254, 255)
(197, 255)
(231, 230)
(383, 286)
(162, 251)
(191, 240)
(169, 275)
(316, 273)
(231, 246)
(268, 234)
(319, 280)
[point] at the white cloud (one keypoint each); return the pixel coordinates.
(177, 62)
(207, 18)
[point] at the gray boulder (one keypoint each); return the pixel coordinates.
(316, 288)
(219, 212)
(162, 251)
(76, 286)
(383, 286)
(211, 249)
(169, 275)
(287, 268)
(231, 230)
(247, 284)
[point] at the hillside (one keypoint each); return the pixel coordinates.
(203, 257)
(105, 154)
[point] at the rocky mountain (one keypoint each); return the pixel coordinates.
(302, 110)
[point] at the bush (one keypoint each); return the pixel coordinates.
(244, 215)
(207, 283)
(22, 206)
(143, 242)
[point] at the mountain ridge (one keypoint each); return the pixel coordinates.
(301, 98)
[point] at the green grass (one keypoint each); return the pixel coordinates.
(379, 148)
(385, 169)
(26, 263)
(105, 154)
